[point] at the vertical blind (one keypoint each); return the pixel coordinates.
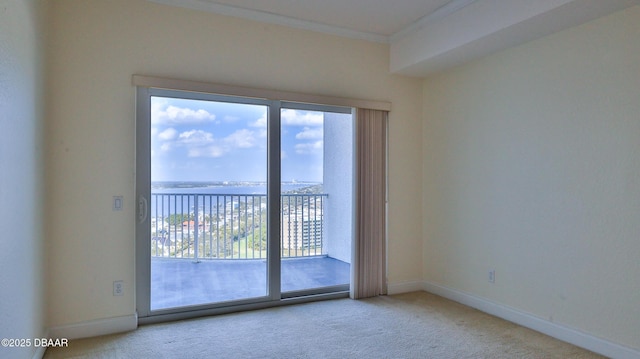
(369, 267)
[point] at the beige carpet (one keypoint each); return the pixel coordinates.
(413, 325)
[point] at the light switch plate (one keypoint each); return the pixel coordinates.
(117, 203)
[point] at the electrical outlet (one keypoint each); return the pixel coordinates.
(118, 288)
(492, 275)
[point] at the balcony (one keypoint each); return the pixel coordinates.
(204, 245)
(233, 226)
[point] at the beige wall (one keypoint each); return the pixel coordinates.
(532, 167)
(22, 248)
(527, 160)
(97, 45)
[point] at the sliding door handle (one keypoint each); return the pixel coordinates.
(142, 209)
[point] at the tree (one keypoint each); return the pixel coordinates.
(178, 218)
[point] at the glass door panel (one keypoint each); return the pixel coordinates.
(208, 205)
(316, 195)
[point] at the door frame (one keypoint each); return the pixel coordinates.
(274, 295)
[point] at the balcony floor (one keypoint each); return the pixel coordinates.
(181, 282)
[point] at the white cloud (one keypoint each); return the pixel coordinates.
(290, 117)
(166, 146)
(241, 139)
(199, 143)
(301, 118)
(174, 115)
(261, 122)
(310, 133)
(309, 148)
(196, 138)
(168, 134)
(231, 119)
(208, 151)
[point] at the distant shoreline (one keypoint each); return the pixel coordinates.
(226, 187)
(197, 184)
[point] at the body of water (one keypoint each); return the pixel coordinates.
(224, 189)
(184, 197)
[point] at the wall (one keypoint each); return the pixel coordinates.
(21, 174)
(531, 168)
(338, 183)
(96, 47)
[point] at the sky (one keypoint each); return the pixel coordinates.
(195, 140)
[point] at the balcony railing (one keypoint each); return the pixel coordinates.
(233, 226)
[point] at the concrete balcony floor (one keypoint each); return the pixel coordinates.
(182, 282)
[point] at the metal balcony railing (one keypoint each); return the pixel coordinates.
(233, 226)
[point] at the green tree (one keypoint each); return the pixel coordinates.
(178, 218)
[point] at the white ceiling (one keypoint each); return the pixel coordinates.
(372, 20)
(379, 17)
(424, 35)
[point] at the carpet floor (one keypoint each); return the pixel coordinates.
(411, 325)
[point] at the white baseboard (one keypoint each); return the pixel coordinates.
(405, 287)
(558, 331)
(40, 350)
(94, 328)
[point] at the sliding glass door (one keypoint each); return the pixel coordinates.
(316, 192)
(239, 200)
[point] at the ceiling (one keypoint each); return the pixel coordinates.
(373, 20)
(377, 17)
(424, 35)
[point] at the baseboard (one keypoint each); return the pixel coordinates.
(561, 332)
(94, 328)
(405, 287)
(40, 350)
